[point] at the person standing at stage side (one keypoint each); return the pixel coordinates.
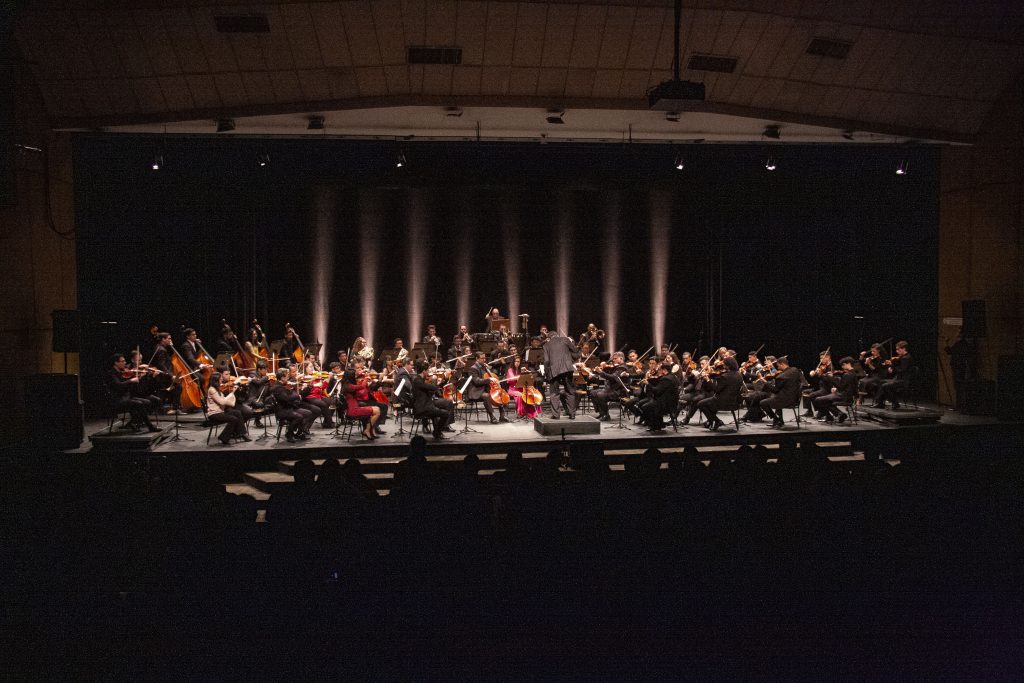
(962, 361)
(560, 356)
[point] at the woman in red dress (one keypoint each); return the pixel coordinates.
(357, 388)
(522, 408)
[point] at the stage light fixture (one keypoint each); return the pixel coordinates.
(453, 111)
(555, 116)
(903, 168)
(773, 132)
(400, 160)
(770, 164)
(158, 162)
(225, 125)
(679, 162)
(672, 116)
(263, 160)
(315, 123)
(848, 135)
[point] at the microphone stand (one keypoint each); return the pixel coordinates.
(466, 429)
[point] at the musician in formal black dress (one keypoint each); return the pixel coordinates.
(843, 390)
(479, 388)
(119, 389)
(785, 391)
(614, 385)
(427, 402)
(900, 370)
(289, 408)
(560, 355)
(664, 392)
(726, 388)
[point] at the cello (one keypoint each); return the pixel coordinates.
(496, 392)
(204, 357)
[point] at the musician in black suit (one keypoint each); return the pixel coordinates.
(726, 388)
(560, 354)
(614, 388)
(119, 389)
(785, 390)
(162, 361)
(403, 378)
(899, 369)
(479, 388)
(759, 389)
(664, 393)
(427, 402)
(190, 349)
(289, 408)
(875, 370)
(696, 388)
(844, 390)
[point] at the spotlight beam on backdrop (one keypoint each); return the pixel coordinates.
(563, 270)
(370, 224)
(611, 272)
(418, 250)
(510, 236)
(323, 262)
(660, 213)
(464, 269)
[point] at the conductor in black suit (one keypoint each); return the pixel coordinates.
(560, 355)
(727, 387)
(427, 402)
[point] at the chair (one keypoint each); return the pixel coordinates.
(344, 425)
(851, 409)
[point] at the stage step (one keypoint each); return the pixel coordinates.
(271, 482)
(246, 490)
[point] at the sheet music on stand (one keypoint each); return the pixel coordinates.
(276, 346)
(222, 362)
(535, 356)
(314, 349)
(429, 349)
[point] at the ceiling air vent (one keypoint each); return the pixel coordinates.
(434, 55)
(824, 47)
(242, 23)
(725, 65)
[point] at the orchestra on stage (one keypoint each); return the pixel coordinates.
(510, 376)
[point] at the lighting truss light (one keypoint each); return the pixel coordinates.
(903, 168)
(158, 162)
(263, 160)
(679, 162)
(555, 116)
(225, 125)
(770, 164)
(400, 160)
(315, 123)
(773, 132)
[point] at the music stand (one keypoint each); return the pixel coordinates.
(429, 349)
(222, 362)
(488, 346)
(313, 349)
(494, 324)
(535, 356)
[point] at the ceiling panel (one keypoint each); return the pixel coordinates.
(297, 23)
(531, 18)
(331, 36)
(586, 44)
(559, 35)
(470, 28)
(440, 22)
(466, 80)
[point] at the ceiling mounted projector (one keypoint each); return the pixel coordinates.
(675, 95)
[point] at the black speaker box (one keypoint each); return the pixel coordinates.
(66, 332)
(51, 400)
(973, 313)
(1010, 376)
(979, 397)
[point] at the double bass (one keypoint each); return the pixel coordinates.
(240, 357)
(191, 393)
